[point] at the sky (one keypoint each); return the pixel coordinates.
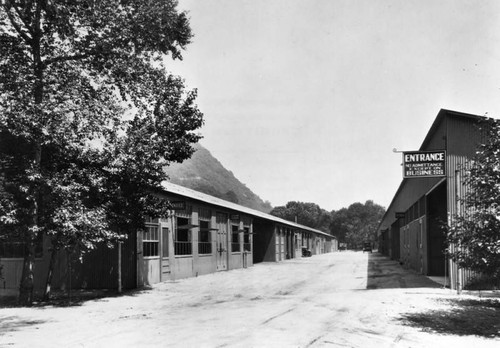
(305, 100)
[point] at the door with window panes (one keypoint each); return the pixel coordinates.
(221, 241)
(151, 252)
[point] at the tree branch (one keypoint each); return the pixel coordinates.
(68, 58)
(16, 25)
(26, 24)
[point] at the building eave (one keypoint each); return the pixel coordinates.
(178, 190)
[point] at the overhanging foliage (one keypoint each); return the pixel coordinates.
(89, 117)
(474, 233)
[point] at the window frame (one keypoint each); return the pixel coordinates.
(204, 247)
(151, 238)
(247, 243)
(235, 245)
(183, 247)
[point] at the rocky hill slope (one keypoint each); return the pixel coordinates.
(204, 173)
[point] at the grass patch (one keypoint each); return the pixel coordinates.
(478, 317)
(483, 283)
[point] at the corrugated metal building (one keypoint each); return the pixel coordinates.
(410, 230)
(203, 234)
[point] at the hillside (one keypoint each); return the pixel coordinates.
(204, 173)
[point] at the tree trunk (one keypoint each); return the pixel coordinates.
(27, 279)
(31, 231)
(30, 238)
(48, 283)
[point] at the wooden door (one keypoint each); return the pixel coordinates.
(221, 241)
(165, 261)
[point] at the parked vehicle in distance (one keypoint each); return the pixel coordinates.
(306, 252)
(367, 246)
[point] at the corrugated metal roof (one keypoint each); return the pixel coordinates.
(199, 196)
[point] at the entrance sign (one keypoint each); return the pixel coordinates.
(424, 164)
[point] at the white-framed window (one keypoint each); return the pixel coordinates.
(151, 241)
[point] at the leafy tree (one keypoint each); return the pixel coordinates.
(204, 173)
(307, 214)
(357, 223)
(474, 232)
(88, 118)
(338, 226)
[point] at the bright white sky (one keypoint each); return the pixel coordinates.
(305, 99)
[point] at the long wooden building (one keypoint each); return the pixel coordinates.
(202, 234)
(411, 229)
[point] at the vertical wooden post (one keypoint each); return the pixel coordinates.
(119, 267)
(69, 253)
(459, 280)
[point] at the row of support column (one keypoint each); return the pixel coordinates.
(289, 243)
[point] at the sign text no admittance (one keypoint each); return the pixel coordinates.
(418, 164)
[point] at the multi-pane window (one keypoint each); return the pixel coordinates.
(235, 238)
(247, 221)
(182, 236)
(204, 238)
(247, 246)
(150, 241)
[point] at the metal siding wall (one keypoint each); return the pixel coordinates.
(456, 190)
(463, 138)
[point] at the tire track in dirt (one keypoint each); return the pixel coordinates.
(277, 316)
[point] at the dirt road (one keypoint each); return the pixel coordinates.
(346, 299)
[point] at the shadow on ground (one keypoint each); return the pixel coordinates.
(75, 298)
(12, 323)
(384, 273)
(465, 317)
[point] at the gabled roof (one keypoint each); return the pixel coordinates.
(202, 197)
(443, 113)
(441, 116)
